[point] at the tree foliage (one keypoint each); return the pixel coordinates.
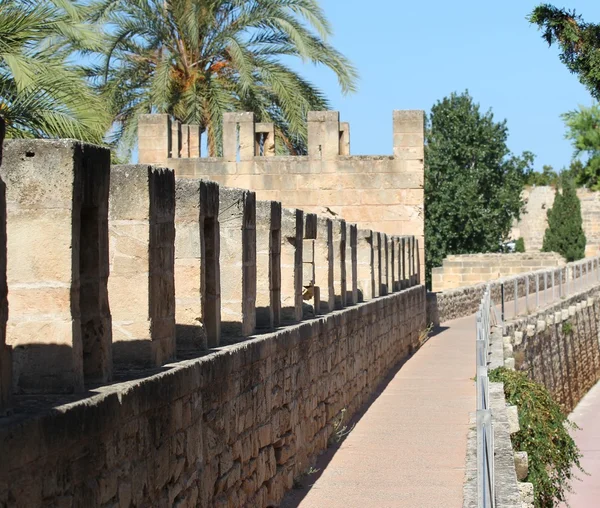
(544, 435)
(196, 59)
(42, 94)
(565, 226)
(520, 245)
(583, 129)
(473, 183)
(548, 176)
(578, 41)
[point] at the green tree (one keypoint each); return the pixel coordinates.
(42, 94)
(547, 177)
(473, 183)
(583, 129)
(196, 59)
(578, 41)
(520, 245)
(565, 226)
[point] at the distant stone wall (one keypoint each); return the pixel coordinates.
(233, 428)
(469, 269)
(534, 221)
(383, 193)
(558, 347)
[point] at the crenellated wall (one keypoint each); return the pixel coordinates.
(115, 274)
(382, 193)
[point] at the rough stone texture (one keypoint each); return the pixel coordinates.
(534, 221)
(57, 250)
(268, 264)
(324, 264)
(382, 193)
(232, 428)
(142, 260)
(340, 273)
(196, 204)
(292, 234)
(507, 488)
(469, 269)
(461, 302)
(521, 465)
(237, 220)
(5, 350)
(564, 355)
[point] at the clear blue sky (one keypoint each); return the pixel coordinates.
(411, 54)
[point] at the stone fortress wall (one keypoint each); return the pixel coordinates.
(115, 273)
(470, 269)
(382, 193)
(534, 220)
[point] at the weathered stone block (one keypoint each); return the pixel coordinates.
(237, 219)
(142, 281)
(196, 264)
(521, 465)
(292, 232)
(268, 264)
(57, 196)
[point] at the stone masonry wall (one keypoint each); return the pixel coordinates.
(382, 193)
(460, 302)
(99, 258)
(558, 347)
(229, 429)
(468, 269)
(534, 221)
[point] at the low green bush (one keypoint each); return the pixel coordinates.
(520, 245)
(544, 435)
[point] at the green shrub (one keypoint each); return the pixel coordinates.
(565, 226)
(544, 435)
(520, 245)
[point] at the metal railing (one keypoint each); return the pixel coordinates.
(545, 286)
(485, 431)
(558, 283)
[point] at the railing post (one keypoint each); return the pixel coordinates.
(527, 294)
(545, 287)
(553, 291)
(502, 296)
(516, 284)
(537, 290)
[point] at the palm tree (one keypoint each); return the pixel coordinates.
(196, 59)
(42, 94)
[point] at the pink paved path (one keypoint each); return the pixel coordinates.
(408, 450)
(587, 413)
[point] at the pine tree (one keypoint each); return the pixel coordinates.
(565, 226)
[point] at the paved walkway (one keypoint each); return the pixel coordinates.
(586, 493)
(408, 449)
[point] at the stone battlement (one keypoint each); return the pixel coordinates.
(193, 265)
(381, 193)
(172, 341)
(470, 269)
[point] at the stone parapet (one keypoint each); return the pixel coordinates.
(193, 267)
(233, 428)
(469, 269)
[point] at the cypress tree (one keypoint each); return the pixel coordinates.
(565, 225)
